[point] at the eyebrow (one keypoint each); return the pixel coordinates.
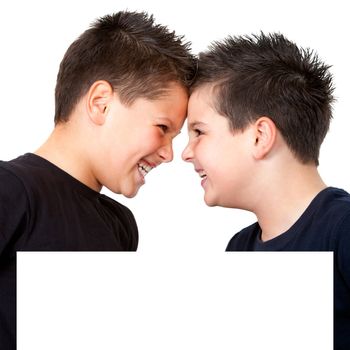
(195, 124)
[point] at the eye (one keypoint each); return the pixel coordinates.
(163, 127)
(198, 132)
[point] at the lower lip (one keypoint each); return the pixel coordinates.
(141, 176)
(203, 182)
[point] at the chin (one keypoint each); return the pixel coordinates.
(130, 193)
(210, 202)
(126, 192)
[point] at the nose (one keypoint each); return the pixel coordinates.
(187, 154)
(166, 153)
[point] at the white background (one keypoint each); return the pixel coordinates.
(169, 209)
(176, 228)
(223, 301)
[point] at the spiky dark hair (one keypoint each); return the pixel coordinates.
(269, 75)
(136, 56)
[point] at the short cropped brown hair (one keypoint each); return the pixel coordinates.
(127, 49)
(268, 75)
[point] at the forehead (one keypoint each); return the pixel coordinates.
(173, 104)
(169, 108)
(201, 103)
(203, 114)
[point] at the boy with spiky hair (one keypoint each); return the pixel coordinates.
(259, 110)
(121, 97)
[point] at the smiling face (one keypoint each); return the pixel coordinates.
(221, 156)
(135, 139)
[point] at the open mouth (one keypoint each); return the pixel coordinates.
(202, 174)
(144, 168)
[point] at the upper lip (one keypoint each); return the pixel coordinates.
(147, 166)
(201, 172)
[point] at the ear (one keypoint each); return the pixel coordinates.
(265, 136)
(98, 101)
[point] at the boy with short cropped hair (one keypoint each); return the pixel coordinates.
(121, 97)
(259, 110)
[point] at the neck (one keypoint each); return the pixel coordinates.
(65, 149)
(285, 197)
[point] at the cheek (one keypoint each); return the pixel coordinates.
(152, 142)
(140, 145)
(208, 154)
(221, 162)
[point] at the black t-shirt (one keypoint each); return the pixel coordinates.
(42, 208)
(324, 226)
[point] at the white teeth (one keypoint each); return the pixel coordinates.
(202, 174)
(144, 168)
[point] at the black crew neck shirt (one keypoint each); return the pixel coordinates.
(324, 226)
(43, 208)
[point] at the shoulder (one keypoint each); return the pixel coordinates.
(334, 199)
(20, 168)
(23, 175)
(14, 205)
(244, 240)
(333, 215)
(11, 185)
(333, 207)
(41, 178)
